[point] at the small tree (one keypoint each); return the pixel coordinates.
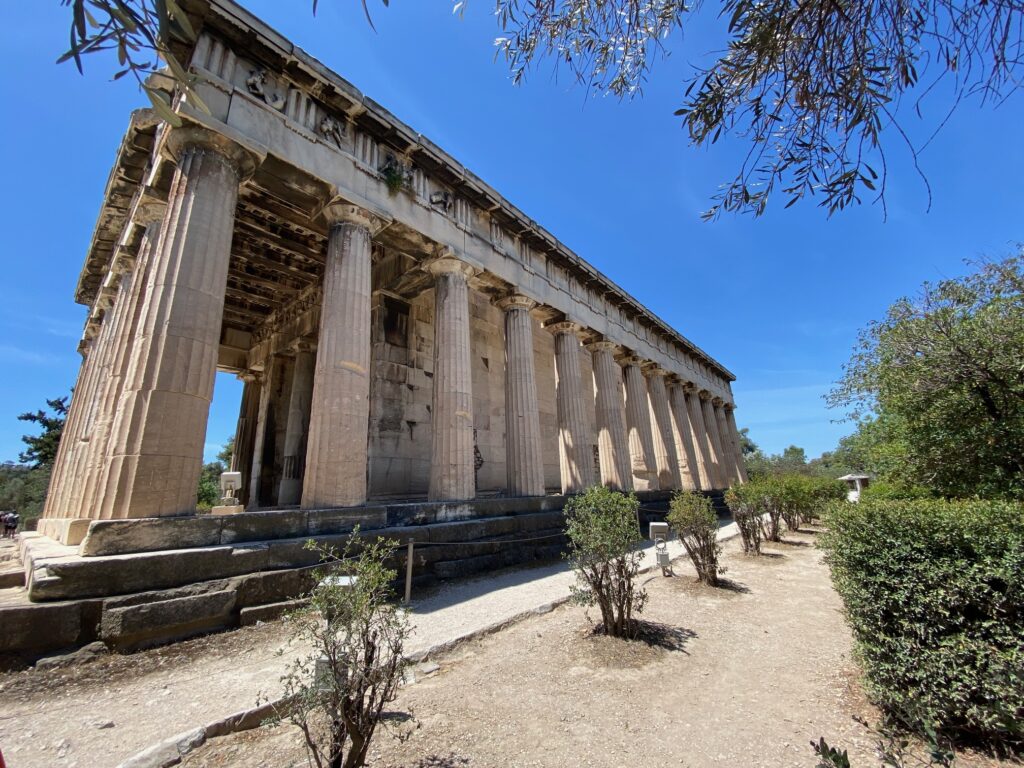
(794, 500)
(767, 492)
(744, 504)
(604, 549)
(695, 522)
(336, 694)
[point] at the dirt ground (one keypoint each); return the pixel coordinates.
(742, 675)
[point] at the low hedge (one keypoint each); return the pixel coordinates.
(934, 593)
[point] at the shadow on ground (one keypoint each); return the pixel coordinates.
(440, 761)
(658, 635)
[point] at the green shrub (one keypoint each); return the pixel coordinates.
(769, 492)
(695, 522)
(794, 499)
(336, 692)
(824, 491)
(746, 505)
(934, 593)
(604, 549)
(886, 491)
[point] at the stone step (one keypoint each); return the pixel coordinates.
(12, 576)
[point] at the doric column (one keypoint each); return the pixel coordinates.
(64, 474)
(107, 394)
(690, 466)
(612, 445)
(730, 417)
(714, 444)
(245, 431)
(51, 507)
(169, 384)
(81, 460)
(297, 429)
(259, 440)
(701, 443)
(666, 457)
(135, 280)
(452, 475)
(725, 438)
(336, 453)
(577, 462)
(638, 424)
(524, 460)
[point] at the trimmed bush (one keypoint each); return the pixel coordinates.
(747, 505)
(695, 522)
(934, 593)
(881, 490)
(604, 549)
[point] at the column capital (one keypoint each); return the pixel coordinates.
(729, 407)
(339, 211)
(632, 360)
(717, 402)
(603, 346)
(250, 377)
(243, 159)
(652, 369)
(445, 262)
(564, 326)
(515, 301)
(704, 394)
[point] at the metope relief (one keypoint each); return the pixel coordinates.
(264, 86)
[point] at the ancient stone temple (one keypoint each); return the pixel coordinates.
(404, 333)
(402, 330)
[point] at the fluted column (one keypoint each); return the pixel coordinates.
(245, 431)
(714, 444)
(259, 440)
(612, 444)
(690, 467)
(171, 373)
(701, 442)
(638, 424)
(666, 457)
(151, 216)
(728, 454)
(574, 453)
(74, 437)
(524, 459)
(336, 453)
(730, 417)
(451, 459)
(107, 394)
(61, 470)
(297, 429)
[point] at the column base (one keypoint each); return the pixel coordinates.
(67, 530)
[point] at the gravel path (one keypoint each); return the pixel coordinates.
(101, 713)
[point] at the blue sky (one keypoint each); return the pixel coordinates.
(778, 299)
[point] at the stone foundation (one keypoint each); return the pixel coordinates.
(240, 569)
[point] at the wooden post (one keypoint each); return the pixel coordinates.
(408, 573)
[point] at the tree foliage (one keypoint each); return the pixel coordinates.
(938, 386)
(810, 87)
(41, 449)
(142, 34)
